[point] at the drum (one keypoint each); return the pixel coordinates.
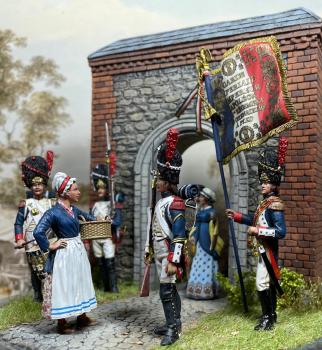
(37, 259)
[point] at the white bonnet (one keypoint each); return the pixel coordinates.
(62, 182)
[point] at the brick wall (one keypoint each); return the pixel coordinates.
(301, 250)
(103, 110)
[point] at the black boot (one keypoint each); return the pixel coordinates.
(36, 286)
(104, 274)
(162, 330)
(177, 302)
(167, 295)
(110, 264)
(266, 322)
(274, 303)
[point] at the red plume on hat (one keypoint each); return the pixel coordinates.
(282, 147)
(112, 163)
(169, 159)
(50, 160)
(171, 143)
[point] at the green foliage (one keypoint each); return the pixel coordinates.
(233, 289)
(292, 284)
(299, 294)
(30, 113)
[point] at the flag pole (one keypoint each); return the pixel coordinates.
(204, 75)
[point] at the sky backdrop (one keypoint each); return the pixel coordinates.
(69, 30)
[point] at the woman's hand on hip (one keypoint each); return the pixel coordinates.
(60, 244)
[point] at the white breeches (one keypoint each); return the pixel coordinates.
(262, 276)
(161, 252)
(103, 248)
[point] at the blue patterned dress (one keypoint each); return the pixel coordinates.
(202, 280)
(68, 286)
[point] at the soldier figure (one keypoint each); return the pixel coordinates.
(266, 227)
(104, 249)
(168, 235)
(35, 174)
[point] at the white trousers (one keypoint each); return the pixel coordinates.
(161, 252)
(103, 248)
(262, 276)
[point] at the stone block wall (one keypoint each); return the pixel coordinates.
(135, 92)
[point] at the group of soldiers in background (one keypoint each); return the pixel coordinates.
(169, 233)
(35, 175)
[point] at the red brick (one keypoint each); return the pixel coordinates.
(297, 250)
(305, 85)
(304, 244)
(310, 77)
(297, 263)
(291, 243)
(309, 264)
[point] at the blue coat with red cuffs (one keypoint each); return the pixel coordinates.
(269, 220)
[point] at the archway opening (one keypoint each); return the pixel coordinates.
(238, 178)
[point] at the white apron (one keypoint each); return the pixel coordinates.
(72, 287)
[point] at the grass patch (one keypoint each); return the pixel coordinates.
(25, 310)
(229, 330)
(19, 310)
(126, 290)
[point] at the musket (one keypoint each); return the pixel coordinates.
(145, 286)
(108, 166)
(24, 244)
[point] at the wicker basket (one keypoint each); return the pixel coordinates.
(95, 230)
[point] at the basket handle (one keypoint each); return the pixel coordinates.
(82, 218)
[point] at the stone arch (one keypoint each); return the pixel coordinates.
(238, 196)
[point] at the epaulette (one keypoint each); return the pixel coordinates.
(277, 205)
(22, 204)
(177, 204)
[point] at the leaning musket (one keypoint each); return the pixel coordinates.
(109, 173)
(145, 286)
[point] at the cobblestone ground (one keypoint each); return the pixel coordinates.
(123, 324)
(317, 345)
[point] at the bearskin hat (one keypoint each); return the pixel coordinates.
(169, 159)
(271, 164)
(100, 176)
(37, 169)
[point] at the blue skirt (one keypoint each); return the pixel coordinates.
(202, 282)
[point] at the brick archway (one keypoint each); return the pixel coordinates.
(238, 196)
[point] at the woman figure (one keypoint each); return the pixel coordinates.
(202, 280)
(69, 288)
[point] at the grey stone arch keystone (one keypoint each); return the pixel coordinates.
(142, 184)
